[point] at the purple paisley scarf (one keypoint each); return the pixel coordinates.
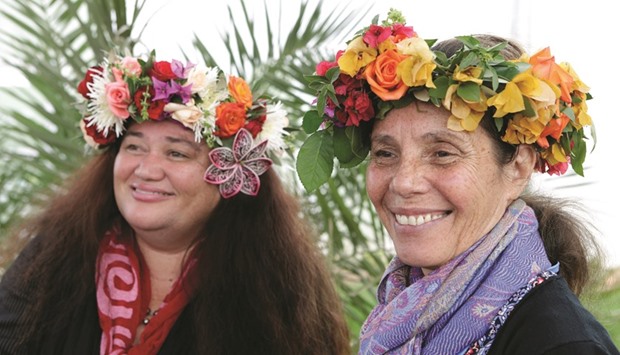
(450, 308)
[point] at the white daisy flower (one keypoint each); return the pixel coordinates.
(273, 128)
(98, 109)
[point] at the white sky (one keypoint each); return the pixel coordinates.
(577, 31)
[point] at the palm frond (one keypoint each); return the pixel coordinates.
(51, 43)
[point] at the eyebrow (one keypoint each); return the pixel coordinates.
(427, 137)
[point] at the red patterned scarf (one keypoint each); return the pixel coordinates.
(123, 294)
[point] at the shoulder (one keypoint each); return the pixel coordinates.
(551, 320)
(14, 298)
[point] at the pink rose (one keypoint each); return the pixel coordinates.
(117, 94)
(131, 66)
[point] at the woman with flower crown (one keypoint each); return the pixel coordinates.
(454, 134)
(177, 238)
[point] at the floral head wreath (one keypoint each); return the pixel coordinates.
(240, 129)
(533, 100)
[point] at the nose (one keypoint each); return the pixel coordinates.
(410, 178)
(150, 167)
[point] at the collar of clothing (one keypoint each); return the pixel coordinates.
(450, 308)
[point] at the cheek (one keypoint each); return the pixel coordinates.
(376, 185)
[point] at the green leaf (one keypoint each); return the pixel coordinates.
(578, 156)
(349, 145)
(469, 91)
(312, 121)
(441, 87)
(315, 160)
(321, 101)
(332, 74)
(529, 109)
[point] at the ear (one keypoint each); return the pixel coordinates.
(520, 169)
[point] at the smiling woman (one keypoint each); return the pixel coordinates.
(176, 237)
(455, 131)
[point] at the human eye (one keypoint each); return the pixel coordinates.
(178, 154)
(382, 156)
(132, 146)
(444, 154)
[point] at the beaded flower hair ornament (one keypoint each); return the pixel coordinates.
(222, 113)
(532, 100)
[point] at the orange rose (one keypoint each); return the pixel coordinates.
(545, 67)
(229, 118)
(554, 129)
(240, 91)
(382, 76)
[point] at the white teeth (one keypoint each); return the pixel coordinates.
(151, 192)
(417, 220)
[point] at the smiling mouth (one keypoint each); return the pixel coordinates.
(419, 219)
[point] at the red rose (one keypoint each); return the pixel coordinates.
(162, 71)
(88, 78)
(97, 137)
(256, 126)
(155, 109)
(229, 118)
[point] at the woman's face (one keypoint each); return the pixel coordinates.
(158, 180)
(436, 191)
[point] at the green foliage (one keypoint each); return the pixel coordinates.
(317, 160)
(51, 43)
(605, 304)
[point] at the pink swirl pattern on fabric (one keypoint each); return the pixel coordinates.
(123, 296)
(117, 297)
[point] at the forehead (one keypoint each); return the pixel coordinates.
(166, 128)
(420, 120)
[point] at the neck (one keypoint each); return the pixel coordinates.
(165, 266)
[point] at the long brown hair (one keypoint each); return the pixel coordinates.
(568, 238)
(263, 284)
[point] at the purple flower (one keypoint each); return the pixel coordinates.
(180, 70)
(185, 92)
(162, 89)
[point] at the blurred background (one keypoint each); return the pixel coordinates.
(46, 46)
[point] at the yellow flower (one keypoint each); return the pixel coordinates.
(357, 56)
(508, 101)
(469, 74)
(417, 68)
(465, 115)
(386, 45)
(554, 155)
(417, 48)
(582, 118)
(522, 129)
